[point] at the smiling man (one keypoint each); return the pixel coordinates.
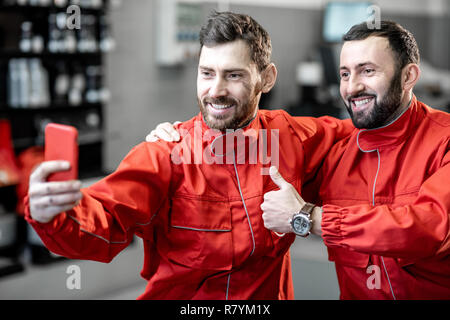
(372, 89)
(229, 100)
(384, 190)
(201, 224)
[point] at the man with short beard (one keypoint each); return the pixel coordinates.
(384, 190)
(200, 220)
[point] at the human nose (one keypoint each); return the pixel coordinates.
(354, 85)
(218, 88)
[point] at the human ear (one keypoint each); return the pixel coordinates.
(410, 76)
(269, 77)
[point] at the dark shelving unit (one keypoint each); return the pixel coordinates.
(28, 121)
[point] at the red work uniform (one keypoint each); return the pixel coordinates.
(197, 211)
(386, 196)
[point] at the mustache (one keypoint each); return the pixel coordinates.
(220, 100)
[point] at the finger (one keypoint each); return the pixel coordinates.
(265, 217)
(48, 214)
(277, 178)
(56, 201)
(158, 134)
(268, 196)
(49, 188)
(151, 137)
(163, 130)
(46, 168)
(170, 129)
(263, 207)
(176, 136)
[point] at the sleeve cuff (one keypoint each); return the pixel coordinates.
(331, 225)
(49, 227)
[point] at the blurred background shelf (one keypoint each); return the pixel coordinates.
(51, 70)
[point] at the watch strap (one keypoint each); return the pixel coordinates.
(307, 208)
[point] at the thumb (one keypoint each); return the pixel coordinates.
(277, 178)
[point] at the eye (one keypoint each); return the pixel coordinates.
(369, 71)
(206, 74)
(344, 75)
(235, 76)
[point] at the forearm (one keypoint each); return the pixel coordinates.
(82, 234)
(401, 232)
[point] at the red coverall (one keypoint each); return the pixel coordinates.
(386, 196)
(204, 237)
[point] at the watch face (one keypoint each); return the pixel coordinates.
(301, 225)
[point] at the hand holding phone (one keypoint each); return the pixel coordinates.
(53, 187)
(61, 143)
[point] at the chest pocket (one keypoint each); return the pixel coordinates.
(199, 234)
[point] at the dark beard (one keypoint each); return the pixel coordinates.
(382, 110)
(242, 116)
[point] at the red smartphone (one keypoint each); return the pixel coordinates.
(61, 143)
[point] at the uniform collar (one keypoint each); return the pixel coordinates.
(230, 143)
(392, 133)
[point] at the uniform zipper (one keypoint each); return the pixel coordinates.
(245, 209)
(373, 203)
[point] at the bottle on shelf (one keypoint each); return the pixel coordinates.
(77, 87)
(54, 34)
(87, 41)
(61, 85)
(27, 84)
(13, 83)
(30, 41)
(26, 37)
(93, 74)
(39, 92)
(24, 83)
(107, 42)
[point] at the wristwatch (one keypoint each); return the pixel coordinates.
(301, 222)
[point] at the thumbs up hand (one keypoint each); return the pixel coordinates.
(280, 205)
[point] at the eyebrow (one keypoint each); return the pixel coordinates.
(362, 64)
(225, 70)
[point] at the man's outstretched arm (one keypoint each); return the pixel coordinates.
(98, 222)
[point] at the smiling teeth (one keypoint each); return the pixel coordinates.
(219, 106)
(361, 102)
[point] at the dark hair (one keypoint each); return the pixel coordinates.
(401, 41)
(222, 27)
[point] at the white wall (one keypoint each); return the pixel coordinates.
(405, 7)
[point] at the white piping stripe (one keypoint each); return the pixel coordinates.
(228, 286)
(96, 235)
(376, 177)
(389, 280)
(245, 207)
(147, 223)
(198, 229)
